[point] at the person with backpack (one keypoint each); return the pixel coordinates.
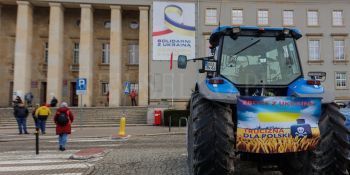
(63, 120)
(21, 114)
(42, 113)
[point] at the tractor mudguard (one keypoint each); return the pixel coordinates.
(225, 92)
(300, 88)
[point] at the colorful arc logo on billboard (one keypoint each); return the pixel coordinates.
(173, 25)
(173, 30)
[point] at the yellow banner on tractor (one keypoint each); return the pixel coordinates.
(277, 124)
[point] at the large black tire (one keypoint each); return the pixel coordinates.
(210, 137)
(331, 155)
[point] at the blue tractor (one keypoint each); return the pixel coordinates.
(254, 77)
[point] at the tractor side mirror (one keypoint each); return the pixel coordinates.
(182, 61)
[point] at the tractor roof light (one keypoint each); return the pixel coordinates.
(236, 30)
(286, 31)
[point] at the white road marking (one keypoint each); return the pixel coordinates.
(66, 174)
(43, 167)
(34, 156)
(84, 140)
(18, 162)
(41, 151)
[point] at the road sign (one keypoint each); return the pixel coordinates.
(81, 85)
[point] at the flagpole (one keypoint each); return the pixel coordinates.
(172, 88)
(172, 79)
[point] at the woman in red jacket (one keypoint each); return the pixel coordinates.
(63, 119)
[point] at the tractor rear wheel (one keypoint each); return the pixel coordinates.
(331, 155)
(210, 137)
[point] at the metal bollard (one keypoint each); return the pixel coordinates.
(182, 118)
(170, 123)
(37, 141)
(122, 127)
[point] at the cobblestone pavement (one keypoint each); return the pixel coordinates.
(154, 155)
(148, 155)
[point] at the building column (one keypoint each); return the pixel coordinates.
(0, 16)
(56, 52)
(143, 57)
(86, 52)
(23, 47)
(115, 65)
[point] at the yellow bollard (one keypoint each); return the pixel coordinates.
(122, 127)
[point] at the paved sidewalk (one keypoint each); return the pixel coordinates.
(98, 132)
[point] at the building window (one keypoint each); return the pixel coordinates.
(237, 16)
(339, 50)
(312, 18)
(288, 17)
(337, 16)
(340, 80)
(46, 52)
(104, 88)
(134, 86)
(76, 53)
(211, 16)
(314, 50)
(105, 53)
(133, 54)
(263, 17)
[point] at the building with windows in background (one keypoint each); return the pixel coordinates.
(46, 45)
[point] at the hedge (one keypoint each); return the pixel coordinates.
(175, 116)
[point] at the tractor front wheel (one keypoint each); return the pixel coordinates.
(210, 140)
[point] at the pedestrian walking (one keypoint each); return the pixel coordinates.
(53, 102)
(133, 95)
(107, 98)
(63, 120)
(21, 114)
(29, 98)
(35, 118)
(17, 101)
(42, 113)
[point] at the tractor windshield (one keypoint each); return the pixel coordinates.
(250, 60)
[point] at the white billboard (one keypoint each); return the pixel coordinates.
(173, 30)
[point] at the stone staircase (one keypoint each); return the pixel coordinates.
(85, 117)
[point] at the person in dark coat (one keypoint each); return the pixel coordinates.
(29, 98)
(17, 101)
(63, 130)
(21, 114)
(53, 102)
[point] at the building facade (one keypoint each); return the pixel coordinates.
(46, 45)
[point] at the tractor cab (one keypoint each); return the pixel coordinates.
(254, 59)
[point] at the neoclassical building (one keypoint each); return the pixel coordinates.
(45, 45)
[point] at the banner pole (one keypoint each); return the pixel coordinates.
(172, 88)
